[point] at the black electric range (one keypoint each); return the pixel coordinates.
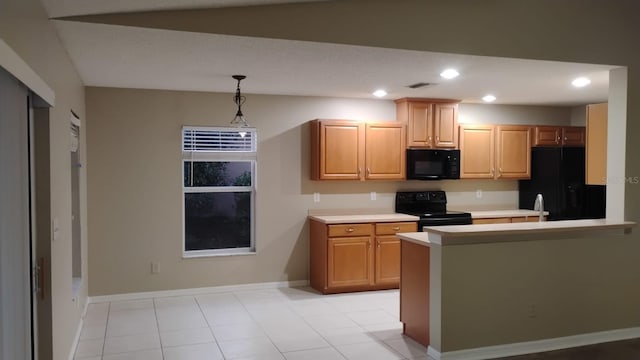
(431, 207)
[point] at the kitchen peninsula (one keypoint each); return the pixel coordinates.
(485, 291)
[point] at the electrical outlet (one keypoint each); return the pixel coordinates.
(316, 197)
(532, 311)
(478, 193)
(374, 196)
(155, 267)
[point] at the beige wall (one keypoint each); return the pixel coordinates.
(135, 194)
(25, 27)
(575, 286)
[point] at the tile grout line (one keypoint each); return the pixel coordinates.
(155, 315)
(215, 340)
(106, 326)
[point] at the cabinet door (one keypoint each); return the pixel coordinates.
(513, 153)
(445, 127)
(547, 136)
(387, 260)
(477, 152)
(350, 261)
(420, 124)
(596, 144)
(385, 151)
(573, 136)
(341, 150)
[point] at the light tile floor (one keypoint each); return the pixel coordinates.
(287, 323)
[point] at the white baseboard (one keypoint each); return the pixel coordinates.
(197, 291)
(492, 352)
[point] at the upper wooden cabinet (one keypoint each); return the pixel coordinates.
(385, 151)
(477, 151)
(431, 123)
(495, 152)
(349, 150)
(559, 136)
(513, 152)
(596, 144)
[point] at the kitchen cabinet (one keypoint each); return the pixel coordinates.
(477, 151)
(495, 152)
(506, 220)
(596, 144)
(356, 257)
(513, 152)
(431, 123)
(559, 136)
(350, 150)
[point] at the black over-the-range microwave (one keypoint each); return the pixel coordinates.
(433, 164)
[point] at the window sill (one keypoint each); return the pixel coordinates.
(204, 254)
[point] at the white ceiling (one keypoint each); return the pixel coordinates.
(131, 57)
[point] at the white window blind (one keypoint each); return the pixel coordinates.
(197, 140)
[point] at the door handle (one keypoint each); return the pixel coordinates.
(39, 278)
(349, 230)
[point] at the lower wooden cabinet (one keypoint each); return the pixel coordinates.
(349, 261)
(355, 257)
(506, 220)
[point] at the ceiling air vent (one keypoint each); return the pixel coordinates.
(420, 85)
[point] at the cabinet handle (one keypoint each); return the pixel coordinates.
(350, 230)
(566, 138)
(359, 172)
(395, 228)
(429, 140)
(493, 171)
(368, 171)
(558, 140)
(500, 171)
(369, 243)
(437, 139)
(378, 243)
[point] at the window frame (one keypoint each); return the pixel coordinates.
(220, 156)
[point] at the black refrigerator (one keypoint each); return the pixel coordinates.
(558, 173)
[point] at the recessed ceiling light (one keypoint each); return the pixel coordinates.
(580, 82)
(449, 74)
(489, 98)
(379, 93)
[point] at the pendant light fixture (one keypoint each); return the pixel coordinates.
(239, 99)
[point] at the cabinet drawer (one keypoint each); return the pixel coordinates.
(393, 228)
(350, 230)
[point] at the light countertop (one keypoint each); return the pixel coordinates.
(488, 214)
(486, 233)
(363, 218)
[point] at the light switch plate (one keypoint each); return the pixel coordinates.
(374, 196)
(316, 197)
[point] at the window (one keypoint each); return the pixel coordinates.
(219, 172)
